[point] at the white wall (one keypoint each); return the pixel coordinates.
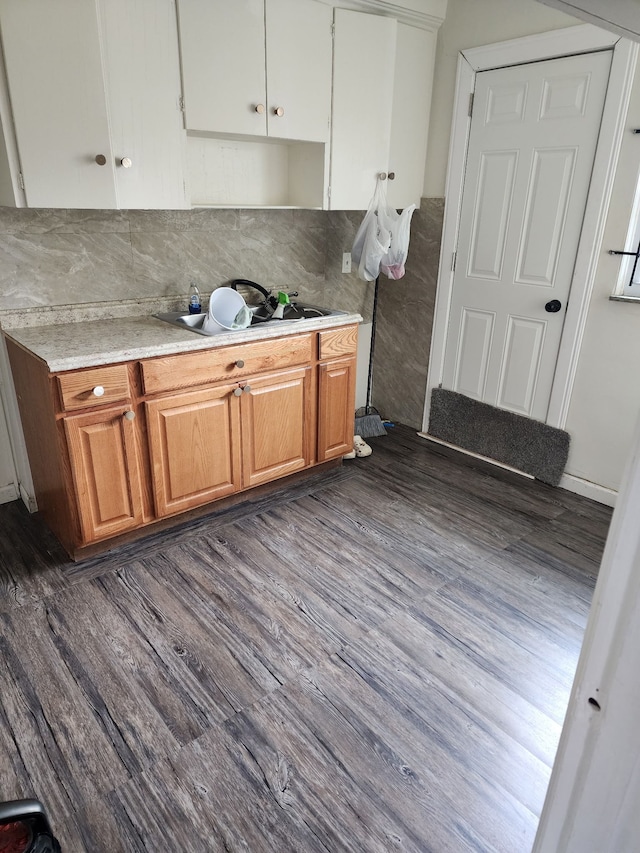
(471, 23)
(606, 396)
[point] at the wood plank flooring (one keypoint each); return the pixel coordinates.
(375, 660)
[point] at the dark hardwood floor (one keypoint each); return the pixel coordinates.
(375, 660)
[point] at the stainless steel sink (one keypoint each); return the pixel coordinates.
(294, 312)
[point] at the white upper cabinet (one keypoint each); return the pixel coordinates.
(382, 78)
(142, 71)
(95, 100)
(257, 67)
(58, 102)
(412, 84)
(223, 67)
(299, 54)
(363, 71)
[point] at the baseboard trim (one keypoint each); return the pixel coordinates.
(28, 500)
(475, 455)
(8, 493)
(586, 489)
(578, 486)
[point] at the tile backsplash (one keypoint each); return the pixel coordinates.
(67, 257)
(102, 260)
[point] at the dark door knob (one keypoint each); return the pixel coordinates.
(553, 307)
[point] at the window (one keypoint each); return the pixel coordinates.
(629, 278)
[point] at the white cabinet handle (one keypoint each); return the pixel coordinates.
(278, 111)
(126, 162)
(98, 391)
(237, 392)
(259, 108)
(130, 416)
(239, 363)
(247, 389)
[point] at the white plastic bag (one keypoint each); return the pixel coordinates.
(371, 242)
(382, 241)
(398, 225)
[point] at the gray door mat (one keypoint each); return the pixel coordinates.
(525, 444)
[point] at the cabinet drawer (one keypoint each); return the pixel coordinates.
(226, 363)
(78, 389)
(336, 343)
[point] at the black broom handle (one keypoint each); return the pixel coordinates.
(373, 344)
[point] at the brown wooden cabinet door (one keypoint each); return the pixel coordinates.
(277, 425)
(336, 408)
(194, 447)
(106, 473)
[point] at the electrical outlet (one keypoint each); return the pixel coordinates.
(346, 262)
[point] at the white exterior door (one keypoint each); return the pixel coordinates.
(531, 149)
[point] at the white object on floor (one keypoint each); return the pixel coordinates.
(360, 446)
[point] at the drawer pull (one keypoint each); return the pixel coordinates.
(98, 391)
(239, 363)
(130, 416)
(246, 389)
(237, 392)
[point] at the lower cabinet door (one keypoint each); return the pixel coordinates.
(106, 472)
(336, 401)
(194, 444)
(278, 425)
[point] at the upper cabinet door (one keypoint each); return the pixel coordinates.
(54, 72)
(413, 79)
(223, 65)
(363, 75)
(94, 80)
(299, 52)
(142, 72)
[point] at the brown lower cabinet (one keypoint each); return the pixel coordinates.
(114, 449)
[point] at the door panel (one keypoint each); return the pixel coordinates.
(473, 353)
(68, 107)
(104, 465)
(531, 147)
(223, 65)
(336, 401)
(521, 364)
(194, 455)
(546, 215)
(299, 54)
(491, 216)
(143, 93)
(276, 421)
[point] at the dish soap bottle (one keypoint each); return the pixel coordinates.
(283, 301)
(195, 304)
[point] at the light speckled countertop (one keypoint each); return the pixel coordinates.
(90, 343)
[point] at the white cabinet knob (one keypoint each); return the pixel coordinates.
(239, 363)
(259, 108)
(98, 391)
(237, 392)
(130, 416)
(126, 162)
(247, 389)
(278, 111)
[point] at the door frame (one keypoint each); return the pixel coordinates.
(570, 41)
